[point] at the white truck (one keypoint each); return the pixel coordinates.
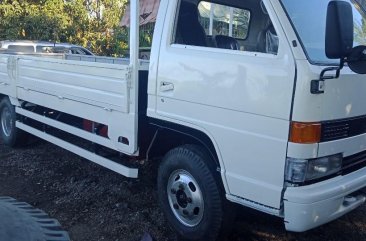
(259, 103)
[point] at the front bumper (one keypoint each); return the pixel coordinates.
(310, 206)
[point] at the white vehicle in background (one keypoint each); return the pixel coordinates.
(27, 46)
(259, 103)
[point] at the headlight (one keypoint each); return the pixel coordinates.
(300, 170)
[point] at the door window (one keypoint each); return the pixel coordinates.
(245, 27)
(219, 19)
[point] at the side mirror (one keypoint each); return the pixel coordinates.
(339, 30)
(357, 60)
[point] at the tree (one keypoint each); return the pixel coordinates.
(91, 23)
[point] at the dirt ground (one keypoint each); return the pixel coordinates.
(93, 203)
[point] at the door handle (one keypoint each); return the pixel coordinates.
(166, 86)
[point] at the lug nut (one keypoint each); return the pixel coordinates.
(181, 187)
(173, 191)
(185, 212)
(189, 200)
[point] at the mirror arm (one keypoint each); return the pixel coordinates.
(317, 86)
(337, 69)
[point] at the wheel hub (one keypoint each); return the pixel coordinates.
(6, 121)
(185, 198)
(182, 199)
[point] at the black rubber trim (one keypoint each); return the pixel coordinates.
(187, 131)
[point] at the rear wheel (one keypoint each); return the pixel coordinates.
(9, 134)
(190, 193)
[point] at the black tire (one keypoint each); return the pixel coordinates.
(9, 134)
(189, 162)
(21, 221)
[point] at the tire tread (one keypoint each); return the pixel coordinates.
(211, 185)
(19, 137)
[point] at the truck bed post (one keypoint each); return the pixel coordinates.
(134, 32)
(134, 57)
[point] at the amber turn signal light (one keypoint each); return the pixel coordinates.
(305, 133)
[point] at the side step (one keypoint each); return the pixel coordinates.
(121, 169)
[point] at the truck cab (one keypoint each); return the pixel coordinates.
(243, 72)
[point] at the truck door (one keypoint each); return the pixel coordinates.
(229, 71)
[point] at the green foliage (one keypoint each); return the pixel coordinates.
(91, 23)
(360, 32)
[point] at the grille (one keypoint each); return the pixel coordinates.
(334, 130)
(353, 163)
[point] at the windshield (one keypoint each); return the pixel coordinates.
(309, 19)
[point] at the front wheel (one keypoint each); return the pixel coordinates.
(190, 193)
(9, 134)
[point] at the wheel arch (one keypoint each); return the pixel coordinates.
(174, 135)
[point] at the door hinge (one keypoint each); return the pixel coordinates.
(11, 66)
(129, 77)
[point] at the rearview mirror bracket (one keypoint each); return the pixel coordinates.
(317, 86)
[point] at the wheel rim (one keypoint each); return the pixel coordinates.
(185, 198)
(6, 121)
